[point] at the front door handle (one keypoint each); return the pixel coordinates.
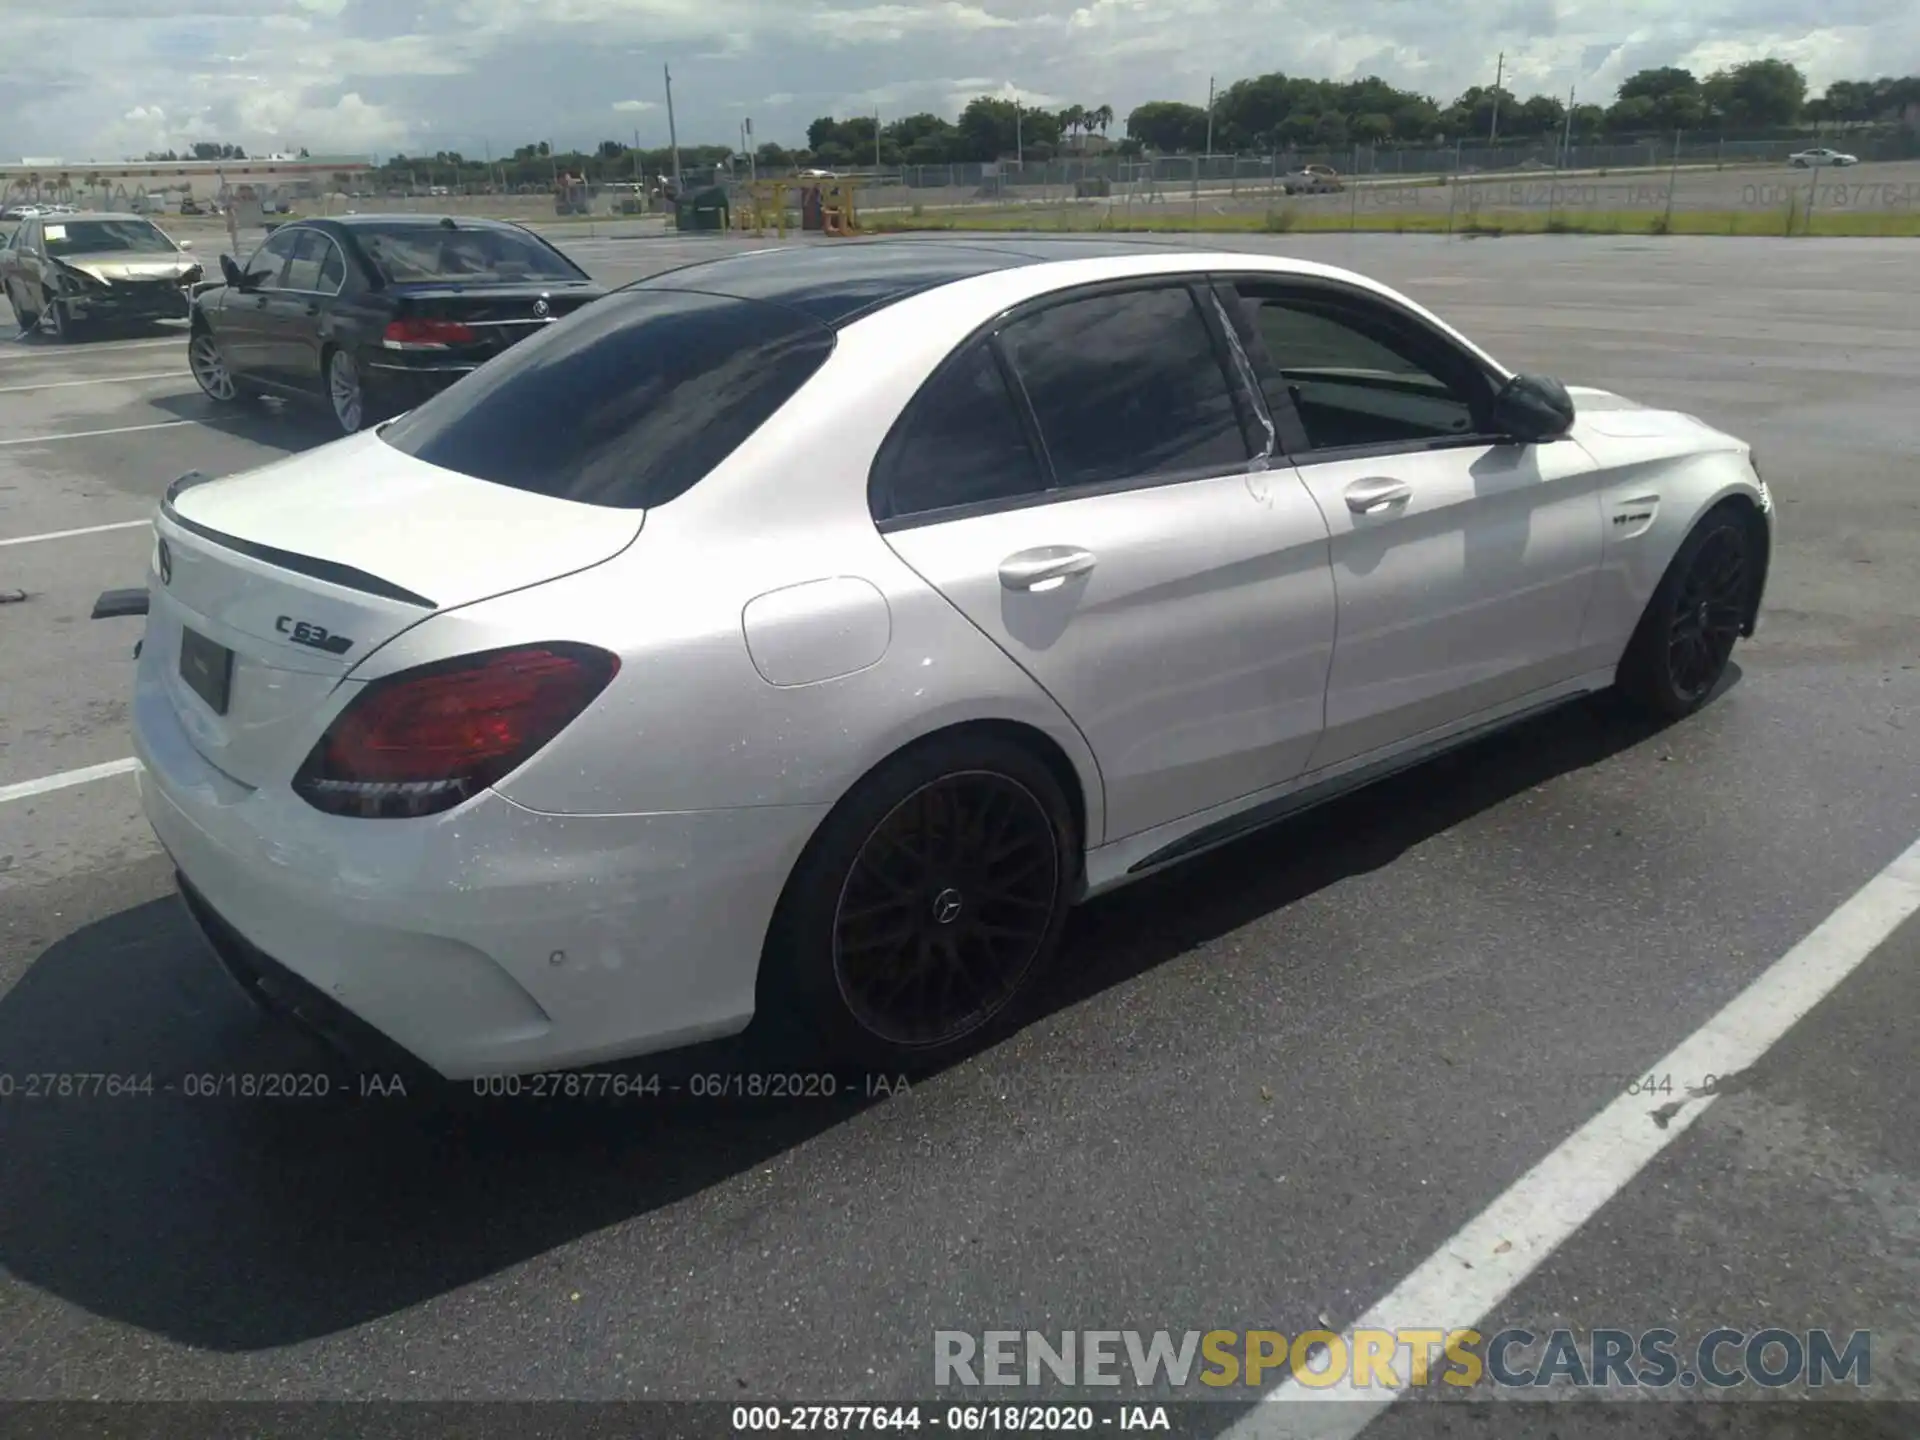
(260, 302)
(1370, 497)
(1046, 566)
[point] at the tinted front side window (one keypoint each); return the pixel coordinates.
(1355, 377)
(412, 254)
(962, 443)
(1126, 384)
(626, 403)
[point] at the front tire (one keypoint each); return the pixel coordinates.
(1680, 649)
(210, 370)
(925, 908)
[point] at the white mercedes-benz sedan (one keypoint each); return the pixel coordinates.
(803, 632)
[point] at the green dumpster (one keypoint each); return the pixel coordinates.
(703, 210)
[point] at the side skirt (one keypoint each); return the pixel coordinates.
(1124, 861)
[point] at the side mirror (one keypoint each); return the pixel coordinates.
(1533, 409)
(186, 244)
(230, 272)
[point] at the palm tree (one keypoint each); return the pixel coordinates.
(1099, 118)
(1073, 119)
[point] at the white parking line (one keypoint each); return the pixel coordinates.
(1494, 1252)
(89, 434)
(71, 352)
(26, 789)
(69, 534)
(102, 380)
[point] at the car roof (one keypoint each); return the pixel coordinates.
(424, 222)
(96, 215)
(838, 282)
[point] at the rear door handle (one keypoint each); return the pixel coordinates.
(1031, 569)
(1370, 497)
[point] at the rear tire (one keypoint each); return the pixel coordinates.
(347, 399)
(1680, 649)
(924, 909)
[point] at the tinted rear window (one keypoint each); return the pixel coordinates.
(411, 254)
(626, 403)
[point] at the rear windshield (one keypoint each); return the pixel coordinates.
(91, 237)
(409, 254)
(626, 403)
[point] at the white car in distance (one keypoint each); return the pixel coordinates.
(1819, 155)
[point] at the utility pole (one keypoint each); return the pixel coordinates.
(1019, 143)
(1499, 70)
(746, 132)
(673, 135)
(1210, 117)
(1566, 142)
(876, 141)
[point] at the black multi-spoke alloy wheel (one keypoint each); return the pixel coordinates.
(925, 907)
(1680, 650)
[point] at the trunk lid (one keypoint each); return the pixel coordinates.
(500, 315)
(304, 568)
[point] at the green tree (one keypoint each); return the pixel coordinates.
(1673, 100)
(1538, 115)
(1758, 93)
(1168, 125)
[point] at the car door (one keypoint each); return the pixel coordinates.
(1088, 484)
(291, 318)
(1463, 563)
(245, 324)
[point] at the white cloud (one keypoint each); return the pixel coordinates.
(358, 75)
(881, 24)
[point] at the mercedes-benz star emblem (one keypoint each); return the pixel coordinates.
(541, 308)
(166, 563)
(946, 906)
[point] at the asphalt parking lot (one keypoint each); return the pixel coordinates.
(1264, 1089)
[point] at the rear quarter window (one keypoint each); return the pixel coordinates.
(627, 403)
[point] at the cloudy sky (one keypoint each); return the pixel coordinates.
(99, 79)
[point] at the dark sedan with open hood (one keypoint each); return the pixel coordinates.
(67, 271)
(371, 314)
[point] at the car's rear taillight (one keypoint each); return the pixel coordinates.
(424, 740)
(426, 334)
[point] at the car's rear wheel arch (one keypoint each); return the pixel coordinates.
(989, 744)
(1042, 746)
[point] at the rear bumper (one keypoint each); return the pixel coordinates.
(275, 988)
(402, 381)
(490, 940)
